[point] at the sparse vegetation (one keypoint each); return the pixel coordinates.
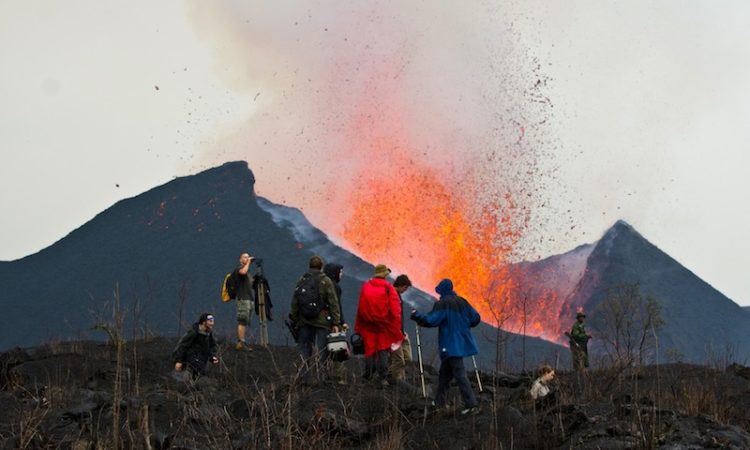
(58, 399)
(626, 322)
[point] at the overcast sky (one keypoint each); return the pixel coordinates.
(646, 107)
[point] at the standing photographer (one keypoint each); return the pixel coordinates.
(245, 304)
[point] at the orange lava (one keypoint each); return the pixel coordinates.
(418, 223)
(427, 212)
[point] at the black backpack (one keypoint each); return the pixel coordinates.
(307, 294)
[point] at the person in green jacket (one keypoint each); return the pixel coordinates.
(579, 340)
(313, 323)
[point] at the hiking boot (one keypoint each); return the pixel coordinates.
(474, 410)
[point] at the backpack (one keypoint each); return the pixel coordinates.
(228, 288)
(307, 294)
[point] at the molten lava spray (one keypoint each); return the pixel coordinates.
(412, 135)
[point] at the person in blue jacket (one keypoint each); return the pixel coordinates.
(454, 317)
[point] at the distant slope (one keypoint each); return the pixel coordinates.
(546, 286)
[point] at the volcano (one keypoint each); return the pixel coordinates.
(700, 323)
(160, 257)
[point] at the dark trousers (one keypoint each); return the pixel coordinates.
(580, 356)
(546, 402)
(377, 364)
(312, 347)
(197, 363)
(453, 368)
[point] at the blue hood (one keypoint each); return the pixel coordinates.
(445, 288)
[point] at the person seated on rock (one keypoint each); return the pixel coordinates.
(541, 391)
(197, 347)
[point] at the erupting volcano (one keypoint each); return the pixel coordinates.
(424, 150)
(458, 218)
(417, 224)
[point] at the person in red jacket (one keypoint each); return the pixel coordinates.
(378, 321)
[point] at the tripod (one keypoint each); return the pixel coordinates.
(261, 289)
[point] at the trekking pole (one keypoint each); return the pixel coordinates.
(476, 371)
(419, 357)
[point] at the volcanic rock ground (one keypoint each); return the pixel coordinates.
(64, 396)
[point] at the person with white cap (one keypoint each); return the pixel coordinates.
(197, 347)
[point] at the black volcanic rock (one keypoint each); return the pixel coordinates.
(701, 324)
(66, 396)
(166, 252)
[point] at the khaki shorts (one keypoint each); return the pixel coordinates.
(245, 310)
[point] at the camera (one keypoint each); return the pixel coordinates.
(258, 261)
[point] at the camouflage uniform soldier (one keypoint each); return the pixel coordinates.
(579, 340)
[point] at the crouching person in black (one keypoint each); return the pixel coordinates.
(197, 347)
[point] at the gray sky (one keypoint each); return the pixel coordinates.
(650, 105)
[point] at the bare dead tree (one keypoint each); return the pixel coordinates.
(525, 314)
(117, 329)
(182, 295)
(626, 322)
(497, 301)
